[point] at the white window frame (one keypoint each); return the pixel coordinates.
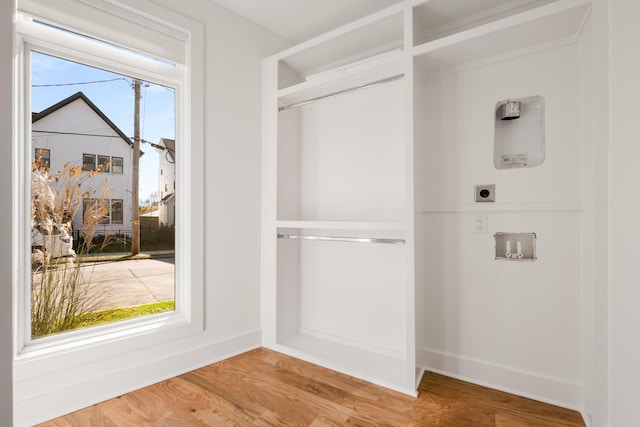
(89, 201)
(48, 354)
(103, 167)
(119, 167)
(39, 150)
(112, 202)
(85, 156)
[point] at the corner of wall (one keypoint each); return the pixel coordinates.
(6, 257)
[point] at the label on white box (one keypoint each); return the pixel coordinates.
(514, 161)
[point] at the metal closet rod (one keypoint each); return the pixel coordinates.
(342, 239)
(342, 92)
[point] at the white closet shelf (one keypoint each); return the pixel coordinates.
(363, 38)
(344, 78)
(343, 225)
(561, 20)
(378, 368)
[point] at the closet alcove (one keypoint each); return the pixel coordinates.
(374, 136)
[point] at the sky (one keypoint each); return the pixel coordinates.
(115, 99)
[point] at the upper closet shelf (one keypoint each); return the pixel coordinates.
(360, 40)
(345, 78)
(561, 20)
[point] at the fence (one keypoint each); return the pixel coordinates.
(164, 236)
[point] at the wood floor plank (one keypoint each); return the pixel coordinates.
(531, 420)
(265, 388)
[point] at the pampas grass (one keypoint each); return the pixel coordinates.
(61, 292)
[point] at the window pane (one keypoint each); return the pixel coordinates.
(116, 165)
(104, 163)
(95, 211)
(116, 212)
(43, 157)
(89, 126)
(88, 162)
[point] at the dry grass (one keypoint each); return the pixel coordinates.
(59, 296)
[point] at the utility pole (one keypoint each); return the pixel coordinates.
(135, 175)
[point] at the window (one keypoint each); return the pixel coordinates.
(116, 165)
(95, 210)
(117, 212)
(146, 30)
(88, 162)
(109, 211)
(104, 163)
(43, 157)
(104, 111)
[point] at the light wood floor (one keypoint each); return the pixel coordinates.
(265, 388)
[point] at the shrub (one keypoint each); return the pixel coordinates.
(60, 287)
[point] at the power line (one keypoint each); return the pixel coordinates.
(82, 83)
(73, 133)
(101, 136)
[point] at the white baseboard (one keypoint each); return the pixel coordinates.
(72, 397)
(542, 388)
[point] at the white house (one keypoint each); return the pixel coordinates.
(167, 182)
(75, 131)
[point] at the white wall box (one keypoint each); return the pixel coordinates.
(394, 160)
(519, 133)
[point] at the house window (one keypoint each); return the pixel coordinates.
(43, 157)
(68, 31)
(117, 211)
(88, 162)
(95, 211)
(104, 163)
(104, 211)
(116, 165)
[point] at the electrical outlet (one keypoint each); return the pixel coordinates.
(480, 224)
(485, 193)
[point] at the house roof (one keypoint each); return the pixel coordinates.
(79, 95)
(168, 197)
(170, 145)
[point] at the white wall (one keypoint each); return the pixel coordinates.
(233, 79)
(6, 266)
(596, 223)
(624, 285)
(234, 49)
(511, 325)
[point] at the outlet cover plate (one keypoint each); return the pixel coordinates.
(485, 193)
(480, 223)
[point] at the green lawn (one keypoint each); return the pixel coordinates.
(120, 247)
(117, 314)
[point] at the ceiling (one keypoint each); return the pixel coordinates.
(300, 20)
